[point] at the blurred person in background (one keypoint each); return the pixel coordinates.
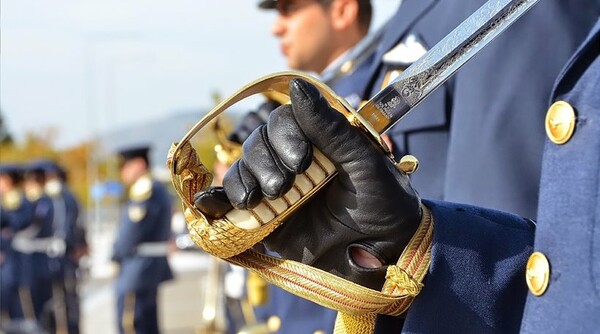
(16, 213)
(69, 230)
(35, 243)
(141, 244)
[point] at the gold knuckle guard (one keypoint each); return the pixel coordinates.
(239, 230)
(232, 236)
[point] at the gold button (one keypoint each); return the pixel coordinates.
(560, 122)
(408, 164)
(538, 273)
(273, 323)
(346, 67)
(320, 331)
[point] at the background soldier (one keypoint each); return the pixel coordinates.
(15, 215)
(141, 244)
(69, 230)
(35, 242)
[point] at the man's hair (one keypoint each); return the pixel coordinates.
(365, 12)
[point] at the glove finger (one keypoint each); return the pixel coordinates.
(288, 140)
(329, 130)
(213, 202)
(273, 177)
(241, 186)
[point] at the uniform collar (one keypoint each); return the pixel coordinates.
(352, 57)
(408, 13)
(561, 85)
(53, 187)
(141, 189)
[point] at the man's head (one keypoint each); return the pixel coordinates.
(134, 163)
(55, 175)
(51, 168)
(11, 176)
(35, 179)
(313, 33)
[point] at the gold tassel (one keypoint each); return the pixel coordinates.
(354, 324)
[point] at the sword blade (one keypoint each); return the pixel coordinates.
(430, 71)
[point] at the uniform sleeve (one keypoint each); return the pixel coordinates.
(73, 226)
(476, 281)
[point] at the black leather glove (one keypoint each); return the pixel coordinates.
(251, 121)
(354, 227)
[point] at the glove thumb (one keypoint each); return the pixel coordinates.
(329, 130)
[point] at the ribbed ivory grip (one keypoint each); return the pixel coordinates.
(267, 210)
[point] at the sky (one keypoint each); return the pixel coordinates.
(82, 67)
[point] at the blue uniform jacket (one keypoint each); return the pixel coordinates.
(479, 138)
(351, 87)
(477, 282)
(12, 220)
(568, 231)
(143, 221)
(71, 226)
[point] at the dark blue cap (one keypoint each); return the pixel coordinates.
(134, 152)
(11, 169)
(47, 165)
(14, 171)
(36, 167)
(267, 4)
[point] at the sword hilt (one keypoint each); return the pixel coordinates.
(238, 230)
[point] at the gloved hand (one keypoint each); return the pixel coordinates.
(354, 227)
(251, 121)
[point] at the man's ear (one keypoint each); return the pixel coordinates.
(344, 13)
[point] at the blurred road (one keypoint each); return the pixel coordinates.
(180, 300)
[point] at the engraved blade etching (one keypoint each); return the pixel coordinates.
(443, 60)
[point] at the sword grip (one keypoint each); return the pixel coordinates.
(320, 171)
(239, 230)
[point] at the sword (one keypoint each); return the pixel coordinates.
(239, 230)
(430, 71)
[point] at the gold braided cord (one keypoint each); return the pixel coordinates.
(406, 276)
(356, 304)
(314, 284)
(416, 262)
